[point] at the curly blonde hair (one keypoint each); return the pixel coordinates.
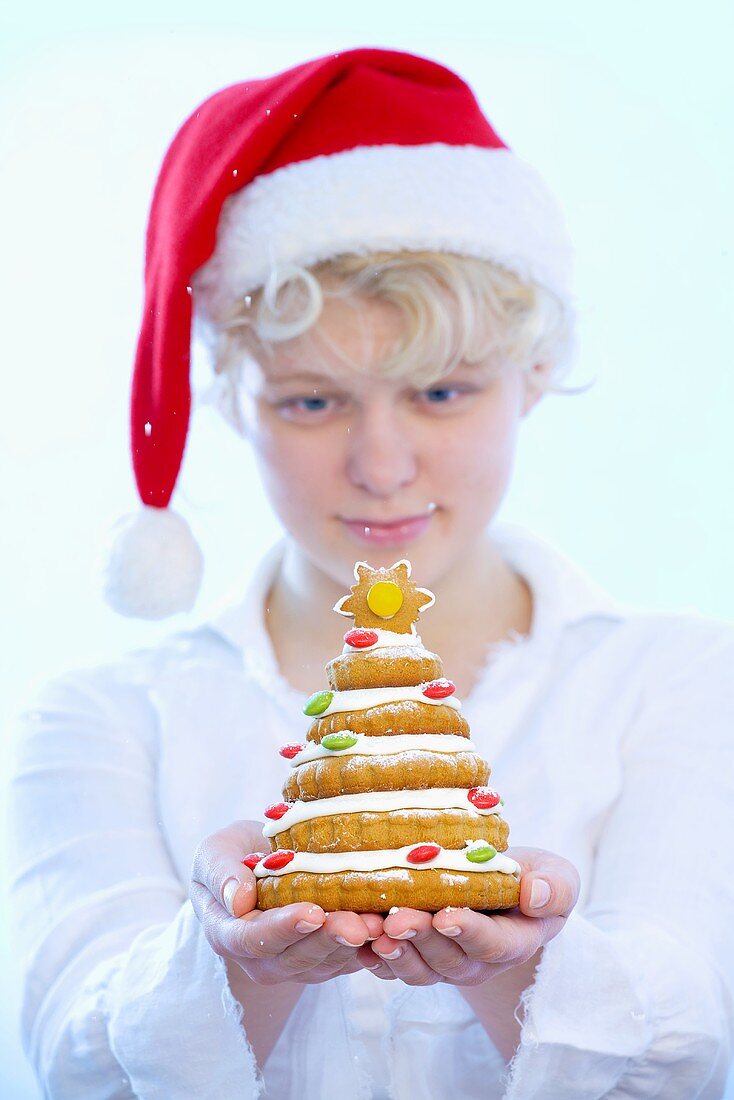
(455, 308)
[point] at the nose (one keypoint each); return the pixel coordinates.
(381, 458)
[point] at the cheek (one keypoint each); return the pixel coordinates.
(297, 469)
(475, 458)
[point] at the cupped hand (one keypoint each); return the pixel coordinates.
(295, 943)
(466, 948)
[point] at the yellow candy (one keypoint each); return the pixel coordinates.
(385, 599)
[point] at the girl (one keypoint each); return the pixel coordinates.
(385, 288)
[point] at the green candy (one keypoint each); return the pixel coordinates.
(481, 855)
(318, 703)
(336, 741)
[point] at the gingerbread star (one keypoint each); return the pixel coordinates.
(385, 598)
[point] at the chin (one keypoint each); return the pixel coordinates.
(424, 560)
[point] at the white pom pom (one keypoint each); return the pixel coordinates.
(155, 565)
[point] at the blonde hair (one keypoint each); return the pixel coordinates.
(455, 308)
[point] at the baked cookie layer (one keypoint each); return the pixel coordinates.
(385, 667)
(392, 718)
(373, 831)
(372, 892)
(403, 771)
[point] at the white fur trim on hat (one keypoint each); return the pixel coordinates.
(486, 203)
(155, 565)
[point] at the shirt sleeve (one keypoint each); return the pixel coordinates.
(633, 998)
(122, 995)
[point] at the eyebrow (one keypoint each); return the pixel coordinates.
(300, 376)
(297, 376)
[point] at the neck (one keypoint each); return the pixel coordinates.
(480, 590)
(303, 593)
(479, 600)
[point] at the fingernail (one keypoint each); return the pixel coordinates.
(540, 893)
(304, 926)
(347, 943)
(229, 890)
(393, 954)
(375, 967)
(406, 935)
(452, 931)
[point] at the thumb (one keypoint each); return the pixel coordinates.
(549, 884)
(219, 868)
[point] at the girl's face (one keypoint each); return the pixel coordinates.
(362, 466)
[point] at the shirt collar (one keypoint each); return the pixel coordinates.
(563, 593)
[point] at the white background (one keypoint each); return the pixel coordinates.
(626, 110)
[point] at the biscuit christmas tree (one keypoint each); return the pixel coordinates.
(386, 803)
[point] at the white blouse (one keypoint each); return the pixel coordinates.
(610, 736)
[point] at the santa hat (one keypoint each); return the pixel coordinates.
(367, 150)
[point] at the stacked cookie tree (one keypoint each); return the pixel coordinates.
(386, 803)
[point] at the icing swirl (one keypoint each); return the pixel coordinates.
(364, 698)
(434, 798)
(388, 639)
(448, 859)
(387, 745)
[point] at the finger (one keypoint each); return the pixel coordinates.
(354, 928)
(234, 893)
(261, 936)
(405, 962)
(264, 935)
(440, 953)
(404, 923)
(369, 961)
(218, 866)
(549, 884)
(498, 938)
(416, 926)
(210, 915)
(374, 922)
(256, 935)
(328, 945)
(280, 928)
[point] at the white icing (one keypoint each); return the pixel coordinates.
(448, 859)
(435, 798)
(363, 698)
(387, 746)
(388, 639)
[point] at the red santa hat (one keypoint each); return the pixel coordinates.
(361, 151)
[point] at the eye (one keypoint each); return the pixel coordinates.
(307, 408)
(439, 395)
(310, 404)
(443, 397)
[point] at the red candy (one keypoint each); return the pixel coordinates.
(253, 859)
(483, 798)
(424, 853)
(276, 811)
(439, 689)
(360, 639)
(290, 750)
(278, 859)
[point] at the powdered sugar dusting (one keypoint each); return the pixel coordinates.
(454, 880)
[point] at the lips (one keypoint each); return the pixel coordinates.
(388, 532)
(388, 522)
